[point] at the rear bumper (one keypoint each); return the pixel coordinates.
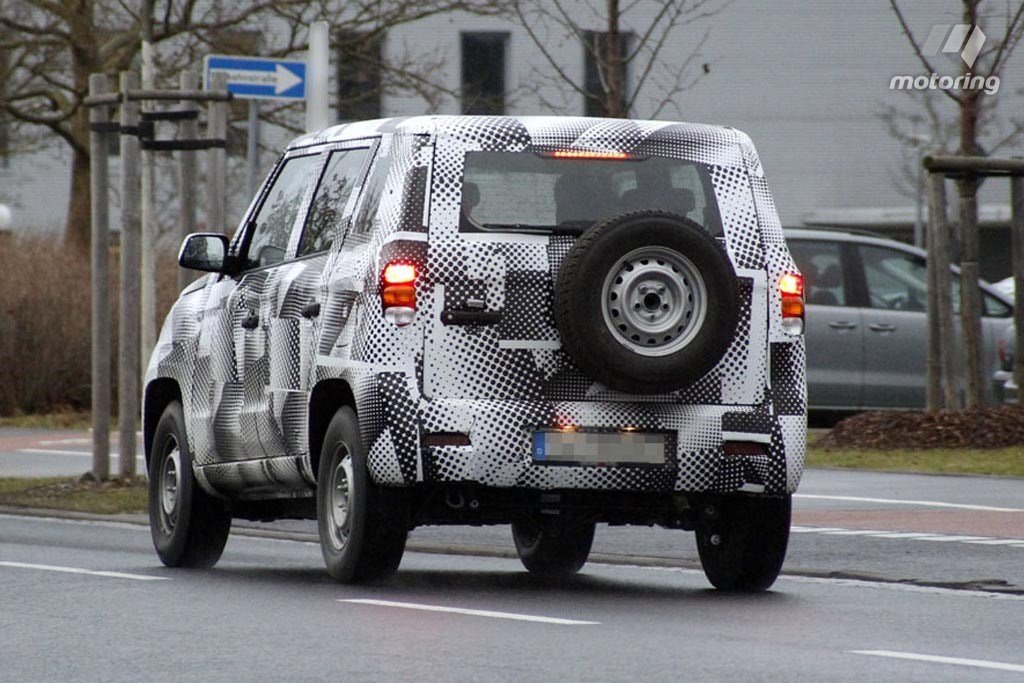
(500, 454)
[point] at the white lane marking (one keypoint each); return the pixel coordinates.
(54, 451)
(812, 529)
(853, 532)
(958, 661)
(471, 612)
(58, 442)
(88, 572)
(957, 539)
(918, 503)
(904, 534)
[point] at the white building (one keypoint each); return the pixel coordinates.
(806, 81)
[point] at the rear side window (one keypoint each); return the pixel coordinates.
(543, 193)
(340, 176)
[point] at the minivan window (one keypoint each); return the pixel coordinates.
(543, 193)
(273, 224)
(339, 178)
(821, 264)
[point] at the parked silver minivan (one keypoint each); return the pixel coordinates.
(867, 324)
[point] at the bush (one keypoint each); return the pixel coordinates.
(45, 313)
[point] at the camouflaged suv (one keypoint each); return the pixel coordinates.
(544, 322)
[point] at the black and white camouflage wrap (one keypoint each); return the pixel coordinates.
(246, 393)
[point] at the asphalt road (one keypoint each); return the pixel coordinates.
(85, 601)
(930, 530)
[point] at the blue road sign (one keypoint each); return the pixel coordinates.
(257, 78)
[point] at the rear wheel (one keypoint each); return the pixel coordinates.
(189, 526)
(552, 546)
(742, 541)
(363, 526)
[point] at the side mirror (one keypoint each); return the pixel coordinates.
(205, 251)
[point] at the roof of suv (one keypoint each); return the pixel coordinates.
(567, 128)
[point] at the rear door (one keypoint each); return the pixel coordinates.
(834, 327)
(896, 327)
(497, 243)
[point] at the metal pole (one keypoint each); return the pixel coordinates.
(216, 126)
(933, 345)
(128, 369)
(970, 294)
(1017, 237)
(252, 148)
(187, 174)
(98, 152)
(317, 77)
(943, 285)
(149, 228)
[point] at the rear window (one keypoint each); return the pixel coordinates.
(539, 193)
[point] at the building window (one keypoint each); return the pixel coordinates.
(483, 72)
(359, 75)
(595, 57)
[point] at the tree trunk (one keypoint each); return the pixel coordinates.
(77, 228)
(615, 76)
(970, 293)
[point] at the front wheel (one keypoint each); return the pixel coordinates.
(742, 541)
(189, 526)
(363, 526)
(552, 546)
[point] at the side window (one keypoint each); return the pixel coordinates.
(822, 267)
(991, 307)
(268, 242)
(895, 280)
(372, 192)
(340, 177)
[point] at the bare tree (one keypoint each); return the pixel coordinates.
(974, 108)
(53, 45)
(622, 47)
(962, 120)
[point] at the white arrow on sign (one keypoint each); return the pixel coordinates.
(281, 78)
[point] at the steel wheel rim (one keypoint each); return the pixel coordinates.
(339, 498)
(170, 486)
(654, 301)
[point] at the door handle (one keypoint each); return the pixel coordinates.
(881, 327)
(471, 317)
(251, 321)
(842, 325)
(311, 310)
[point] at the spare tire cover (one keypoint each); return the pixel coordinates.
(645, 303)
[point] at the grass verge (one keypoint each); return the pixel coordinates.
(78, 495)
(68, 419)
(1004, 462)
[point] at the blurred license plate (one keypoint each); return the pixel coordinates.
(556, 447)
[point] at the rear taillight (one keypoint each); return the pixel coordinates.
(1005, 358)
(398, 292)
(791, 286)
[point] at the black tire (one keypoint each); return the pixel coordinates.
(367, 540)
(552, 546)
(189, 526)
(602, 346)
(743, 545)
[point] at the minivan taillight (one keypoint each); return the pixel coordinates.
(398, 292)
(791, 286)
